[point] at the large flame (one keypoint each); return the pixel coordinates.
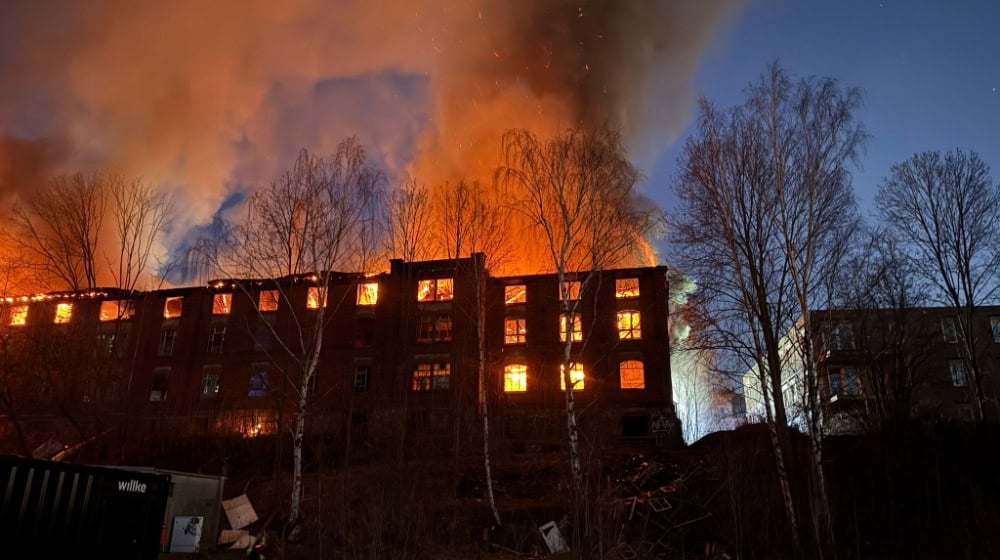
(211, 99)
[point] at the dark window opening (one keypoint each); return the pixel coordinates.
(635, 426)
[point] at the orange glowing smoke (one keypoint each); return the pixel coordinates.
(210, 99)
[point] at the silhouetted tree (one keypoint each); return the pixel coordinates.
(945, 209)
(767, 213)
(317, 218)
(578, 191)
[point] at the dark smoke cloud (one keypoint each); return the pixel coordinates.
(552, 64)
(211, 98)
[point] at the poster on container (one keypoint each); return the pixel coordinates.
(187, 534)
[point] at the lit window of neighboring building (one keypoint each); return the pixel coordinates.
(210, 382)
(515, 378)
(258, 382)
(576, 377)
(626, 288)
(576, 329)
(844, 381)
(222, 304)
(628, 325)
(268, 300)
(432, 377)
(517, 293)
(631, 375)
(18, 315)
(316, 297)
(959, 377)
(948, 331)
(367, 294)
(172, 307)
(515, 330)
(112, 310)
(64, 312)
(437, 289)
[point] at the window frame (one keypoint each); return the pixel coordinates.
(119, 304)
(257, 384)
(63, 313)
(361, 379)
(515, 378)
(317, 297)
(577, 326)
(222, 303)
(632, 385)
(434, 292)
(363, 297)
(515, 294)
(431, 376)
(162, 349)
(844, 382)
(579, 384)
(633, 329)
(214, 373)
(519, 334)
(216, 339)
(17, 314)
(949, 326)
(960, 375)
(167, 301)
(627, 291)
(272, 298)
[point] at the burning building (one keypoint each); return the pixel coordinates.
(400, 363)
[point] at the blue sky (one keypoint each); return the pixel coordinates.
(929, 69)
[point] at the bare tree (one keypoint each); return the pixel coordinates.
(767, 213)
(577, 190)
(407, 222)
(474, 220)
(946, 211)
(58, 229)
(141, 215)
(313, 220)
(882, 293)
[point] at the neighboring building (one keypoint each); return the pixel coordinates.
(882, 365)
(400, 358)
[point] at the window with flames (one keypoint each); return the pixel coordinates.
(576, 376)
(172, 307)
(222, 304)
(432, 377)
(631, 374)
(515, 378)
(367, 294)
(515, 330)
(316, 297)
(571, 327)
(628, 325)
(435, 289)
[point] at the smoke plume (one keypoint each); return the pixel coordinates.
(214, 98)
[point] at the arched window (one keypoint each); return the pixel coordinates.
(631, 375)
